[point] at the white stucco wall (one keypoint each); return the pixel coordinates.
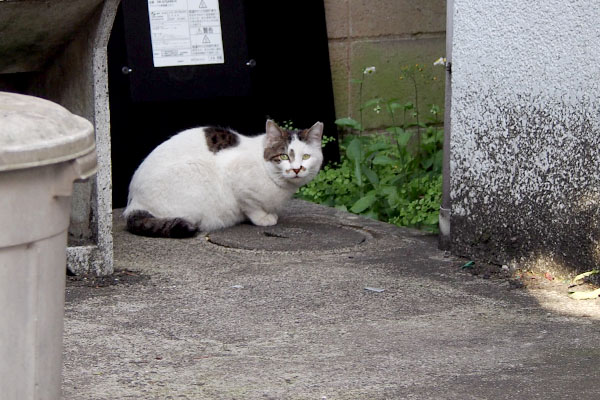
(525, 145)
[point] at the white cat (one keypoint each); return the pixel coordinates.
(208, 178)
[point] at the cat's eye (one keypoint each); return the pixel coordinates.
(306, 156)
(284, 157)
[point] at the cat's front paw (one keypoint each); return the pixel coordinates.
(264, 220)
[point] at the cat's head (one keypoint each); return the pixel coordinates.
(293, 156)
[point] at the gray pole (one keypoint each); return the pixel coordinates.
(446, 209)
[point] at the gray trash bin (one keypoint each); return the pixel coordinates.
(43, 150)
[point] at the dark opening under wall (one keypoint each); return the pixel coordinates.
(287, 78)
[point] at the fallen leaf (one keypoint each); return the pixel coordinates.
(588, 295)
(468, 265)
(585, 275)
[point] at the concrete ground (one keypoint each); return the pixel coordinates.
(324, 305)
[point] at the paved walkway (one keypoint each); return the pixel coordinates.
(324, 305)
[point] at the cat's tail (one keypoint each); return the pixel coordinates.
(145, 224)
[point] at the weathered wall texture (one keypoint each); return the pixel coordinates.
(57, 51)
(387, 34)
(525, 146)
(32, 37)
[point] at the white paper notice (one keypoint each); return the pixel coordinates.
(185, 32)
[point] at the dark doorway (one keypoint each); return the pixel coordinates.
(276, 66)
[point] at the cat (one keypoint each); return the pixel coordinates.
(208, 178)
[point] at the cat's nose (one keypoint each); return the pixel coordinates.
(297, 170)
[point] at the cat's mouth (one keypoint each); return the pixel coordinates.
(297, 172)
(296, 179)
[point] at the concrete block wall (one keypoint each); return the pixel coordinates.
(525, 133)
(387, 34)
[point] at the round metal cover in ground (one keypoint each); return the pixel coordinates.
(291, 234)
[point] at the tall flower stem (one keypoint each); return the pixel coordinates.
(414, 81)
(366, 71)
(360, 107)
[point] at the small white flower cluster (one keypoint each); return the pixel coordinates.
(369, 71)
(440, 61)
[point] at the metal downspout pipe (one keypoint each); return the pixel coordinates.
(446, 207)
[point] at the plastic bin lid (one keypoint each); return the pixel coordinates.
(36, 132)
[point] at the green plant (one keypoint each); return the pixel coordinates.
(350, 123)
(383, 180)
(393, 176)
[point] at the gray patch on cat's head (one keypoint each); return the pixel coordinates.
(218, 139)
(276, 142)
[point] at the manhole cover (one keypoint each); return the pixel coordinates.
(289, 234)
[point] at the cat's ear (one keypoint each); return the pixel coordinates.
(315, 133)
(274, 133)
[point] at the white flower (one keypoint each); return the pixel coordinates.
(440, 61)
(369, 70)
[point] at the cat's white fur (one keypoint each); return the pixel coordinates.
(183, 178)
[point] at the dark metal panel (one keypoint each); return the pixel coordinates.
(148, 83)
